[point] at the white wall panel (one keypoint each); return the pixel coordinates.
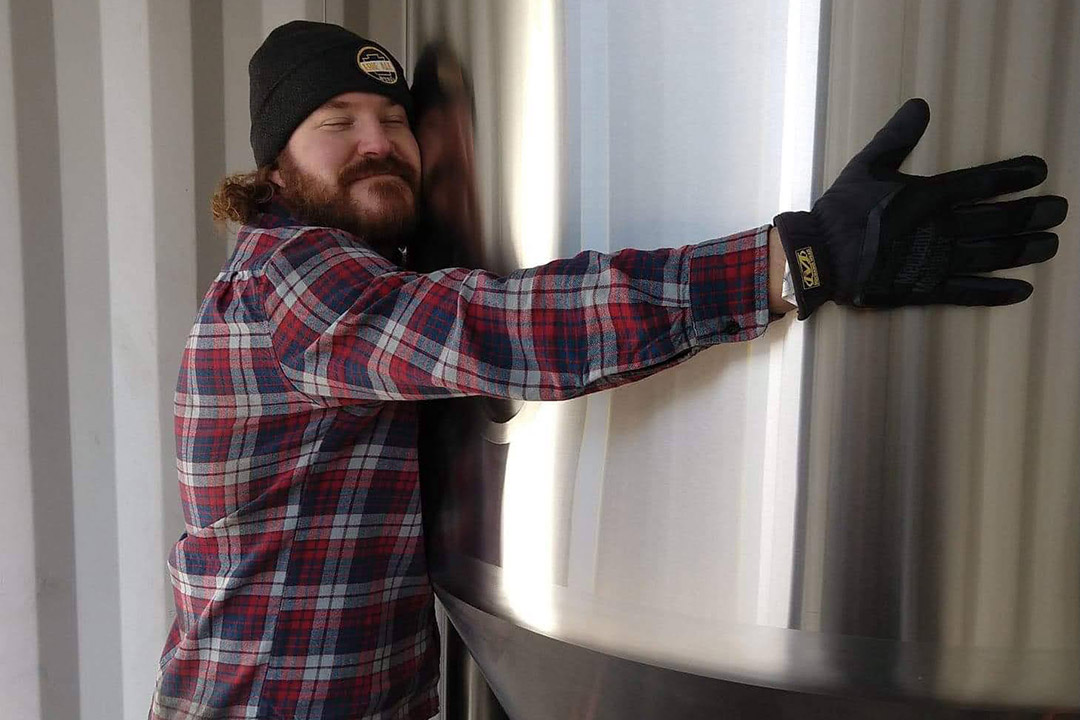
(44, 349)
(19, 680)
(86, 265)
(146, 70)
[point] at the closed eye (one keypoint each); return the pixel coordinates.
(336, 123)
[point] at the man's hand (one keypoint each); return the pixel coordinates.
(882, 238)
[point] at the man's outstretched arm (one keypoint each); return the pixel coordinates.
(347, 325)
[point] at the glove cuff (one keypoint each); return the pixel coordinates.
(808, 259)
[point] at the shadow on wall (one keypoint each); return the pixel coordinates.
(45, 321)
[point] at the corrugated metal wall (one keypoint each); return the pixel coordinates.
(117, 119)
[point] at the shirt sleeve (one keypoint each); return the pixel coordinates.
(347, 325)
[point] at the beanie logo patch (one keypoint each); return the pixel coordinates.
(374, 63)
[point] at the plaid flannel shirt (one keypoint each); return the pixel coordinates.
(300, 583)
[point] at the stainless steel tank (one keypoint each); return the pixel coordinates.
(870, 515)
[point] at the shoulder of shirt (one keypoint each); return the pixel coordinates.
(291, 242)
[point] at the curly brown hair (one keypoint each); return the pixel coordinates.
(241, 196)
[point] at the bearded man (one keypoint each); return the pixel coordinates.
(301, 586)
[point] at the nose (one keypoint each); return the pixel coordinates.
(372, 140)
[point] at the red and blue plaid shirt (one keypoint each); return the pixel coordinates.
(300, 583)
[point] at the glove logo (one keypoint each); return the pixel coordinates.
(808, 268)
(374, 63)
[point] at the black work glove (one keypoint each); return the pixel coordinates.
(881, 238)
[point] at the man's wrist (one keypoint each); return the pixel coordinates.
(778, 268)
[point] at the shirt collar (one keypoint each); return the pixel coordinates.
(275, 213)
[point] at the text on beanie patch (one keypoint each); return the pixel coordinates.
(375, 64)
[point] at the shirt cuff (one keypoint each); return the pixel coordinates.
(728, 288)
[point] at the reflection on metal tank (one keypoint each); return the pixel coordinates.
(872, 515)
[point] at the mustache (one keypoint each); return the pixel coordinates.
(377, 166)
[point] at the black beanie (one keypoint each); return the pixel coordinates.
(303, 64)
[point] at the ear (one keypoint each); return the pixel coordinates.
(275, 177)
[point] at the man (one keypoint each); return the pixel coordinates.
(300, 584)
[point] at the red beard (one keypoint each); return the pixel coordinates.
(385, 219)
